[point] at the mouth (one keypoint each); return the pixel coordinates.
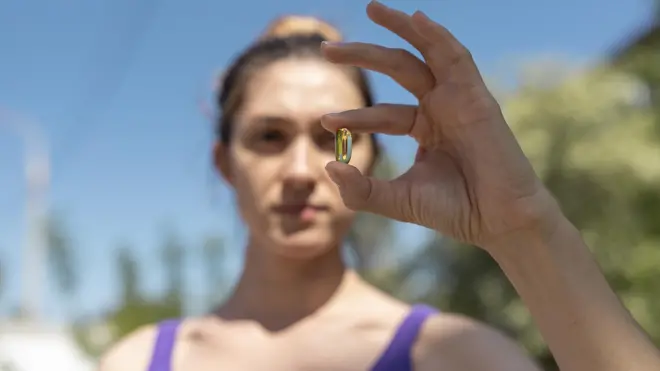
(305, 212)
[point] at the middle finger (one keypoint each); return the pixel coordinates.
(399, 64)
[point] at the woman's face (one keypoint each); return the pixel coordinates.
(278, 152)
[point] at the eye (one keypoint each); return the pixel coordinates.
(326, 141)
(271, 135)
(269, 140)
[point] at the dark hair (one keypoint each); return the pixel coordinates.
(289, 37)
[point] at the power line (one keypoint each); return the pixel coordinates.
(109, 80)
(115, 60)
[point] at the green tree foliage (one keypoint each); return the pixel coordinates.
(173, 259)
(136, 309)
(214, 256)
(62, 261)
(590, 138)
(129, 274)
(642, 58)
(61, 255)
(644, 61)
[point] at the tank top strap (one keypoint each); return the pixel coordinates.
(397, 356)
(161, 358)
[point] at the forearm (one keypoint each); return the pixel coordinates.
(580, 317)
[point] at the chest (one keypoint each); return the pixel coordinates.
(322, 350)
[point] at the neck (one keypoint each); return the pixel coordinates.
(277, 291)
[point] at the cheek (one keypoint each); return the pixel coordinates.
(252, 180)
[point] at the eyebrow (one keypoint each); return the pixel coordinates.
(247, 127)
(268, 120)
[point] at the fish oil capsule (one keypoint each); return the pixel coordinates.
(343, 145)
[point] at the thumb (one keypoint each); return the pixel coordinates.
(363, 193)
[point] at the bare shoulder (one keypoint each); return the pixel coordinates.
(455, 342)
(131, 353)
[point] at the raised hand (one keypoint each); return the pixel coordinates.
(470, 179)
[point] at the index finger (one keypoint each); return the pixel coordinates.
(392, 119)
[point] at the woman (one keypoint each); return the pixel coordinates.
(296, 306)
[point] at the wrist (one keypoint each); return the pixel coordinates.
(556, 231)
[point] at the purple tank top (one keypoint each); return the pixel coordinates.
(397, 356)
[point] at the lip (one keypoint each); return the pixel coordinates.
(298, 208)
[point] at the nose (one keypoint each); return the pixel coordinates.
(302, 166)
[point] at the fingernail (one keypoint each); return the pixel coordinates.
(376, 2)
(331, 43)
(330, 116)
(327, 116)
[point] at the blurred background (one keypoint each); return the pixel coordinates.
(111, 215)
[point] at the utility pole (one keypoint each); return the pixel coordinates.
(37, 181)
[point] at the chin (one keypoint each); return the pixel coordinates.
(305, 244)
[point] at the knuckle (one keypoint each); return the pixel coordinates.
(399, 59)
(428, 99)
(402, 53)
(385, 106)
(464, 53)
(457, 56)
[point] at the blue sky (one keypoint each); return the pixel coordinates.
(117, 86)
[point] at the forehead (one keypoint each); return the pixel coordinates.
(301, 89)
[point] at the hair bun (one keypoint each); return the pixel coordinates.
(301, 25)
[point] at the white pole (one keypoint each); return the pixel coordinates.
(37, 180)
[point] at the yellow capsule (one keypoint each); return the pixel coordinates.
(343, 145)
